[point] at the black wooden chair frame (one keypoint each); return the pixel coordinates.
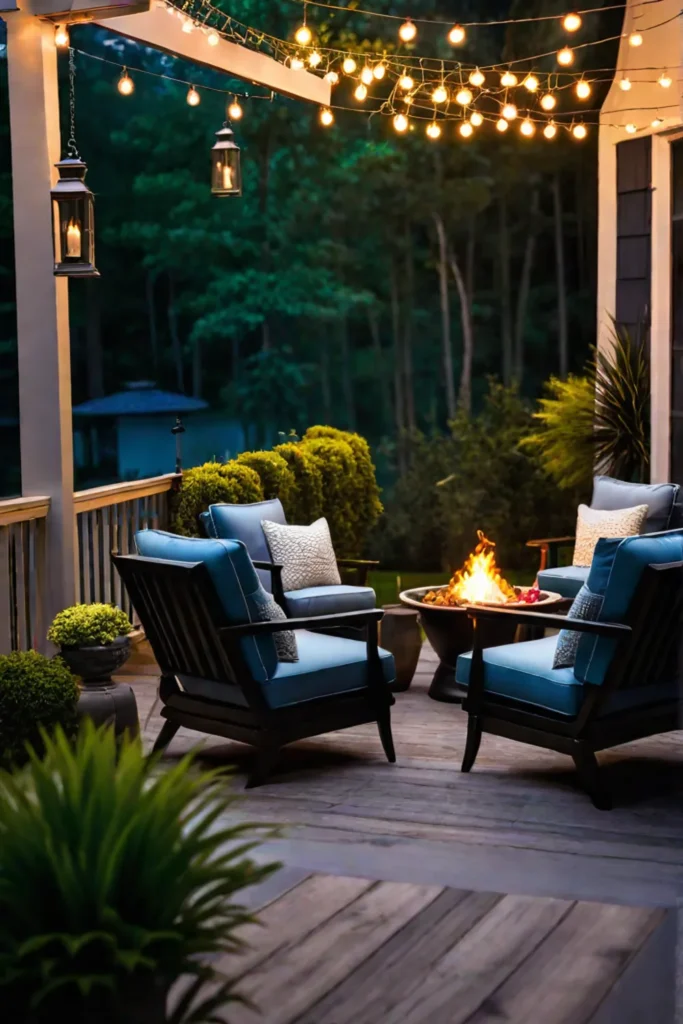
(184, 621)
(647, 644)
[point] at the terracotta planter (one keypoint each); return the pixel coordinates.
(102, 699)
(400, 633)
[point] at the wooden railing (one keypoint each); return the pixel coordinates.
(22, 571)
(107, 519)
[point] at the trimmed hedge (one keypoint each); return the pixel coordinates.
(35, 693)
(277, 479)
(210, 484)
(306, 503)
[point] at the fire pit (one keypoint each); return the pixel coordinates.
(443, 613)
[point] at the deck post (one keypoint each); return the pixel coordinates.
(42, 300)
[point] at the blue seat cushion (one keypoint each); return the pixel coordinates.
(327, 665)
(243, 522)
(566, 580)
(610, 494)
(331, 600)
(238, 588)
(524, 672)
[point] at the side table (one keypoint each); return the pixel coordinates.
(401, 635)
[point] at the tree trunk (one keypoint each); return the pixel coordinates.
(505, 302)
(235, 352)
(398, 364)
(347, 375)
(409, 296)
(465, 393)
(93, 341)
(264, 193)
(562, 340)
(197, 369)
(176, 347)
(150, 279)
(325, 380)
(380, 368)
(447, 354)
(524, 286)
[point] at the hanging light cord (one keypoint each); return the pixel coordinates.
(72, 148)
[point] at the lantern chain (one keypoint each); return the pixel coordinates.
(71, 145)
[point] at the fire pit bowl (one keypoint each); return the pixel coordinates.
(449, 631)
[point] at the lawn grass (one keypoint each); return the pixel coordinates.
(388, 583)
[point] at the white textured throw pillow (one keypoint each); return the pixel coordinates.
(305, 553)
(592, 524)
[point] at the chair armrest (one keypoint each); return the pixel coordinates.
(362, 566)
(616, 630)
(358, 618)
(549, 548)
(275, 570)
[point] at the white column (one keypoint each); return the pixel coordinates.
(660, 331)
(42, 298)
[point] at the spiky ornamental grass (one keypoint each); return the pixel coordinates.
(116, 879)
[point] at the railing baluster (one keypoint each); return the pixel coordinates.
(95, 542)
(39, 555)
(23, 636)
(105, 550)
(6, 644)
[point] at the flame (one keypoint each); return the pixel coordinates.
(478, 582)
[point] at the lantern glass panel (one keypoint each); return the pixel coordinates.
(75, 234)
(226, 177)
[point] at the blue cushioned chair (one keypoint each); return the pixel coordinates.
(243, 522)
(609, 494)
(199, 602)
(625, 683)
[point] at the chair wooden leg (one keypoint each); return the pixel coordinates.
(265, 760)
(384, 727)
(472, 742)
(589, 774)
(168, 731)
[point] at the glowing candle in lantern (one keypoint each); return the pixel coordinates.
(227, 176)
(73, 240)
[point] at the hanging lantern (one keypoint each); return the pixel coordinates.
(73, 210)
(226, 174)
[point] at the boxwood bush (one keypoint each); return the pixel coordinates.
(89, 625)
(36, 693)
(211, 483)
(306, 504)
(277, 479)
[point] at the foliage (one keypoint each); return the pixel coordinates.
(566, 443)
(277, 479)
(116, 879)
(337, 467)
(89, 625)
(212, 483)
(478, 477)
(35, 693)
(307, 501)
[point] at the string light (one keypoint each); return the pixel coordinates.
(583, 89)
(501, 124)
(466, 129)
(303, 35)
(571, 22)
(406, 83)
(407, 31)
(379, 71)
(213, 39)
(565, 56)
(509, 111)
(326, 116)
(508, 80)
(456, 35)
(366, 75)
(464, 97)
(665, 80)
(361, 92)
(527, 127)
(401, 123)
(579, 131)
(530, 83)
(349, 66)
(440, 94)
(296, 64)
(125, 84)
(476, 118)
(433, 130)
(188, 26)
(235, 111)
(624, 83)
(635, 39)
(314, 59)
(550, 130)
(630, 128)
(193, 98)
(332, 77)
(656, 123)
(548, 101)
(61, 36)
(477, 78)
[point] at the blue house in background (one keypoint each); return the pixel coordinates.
(127, 435)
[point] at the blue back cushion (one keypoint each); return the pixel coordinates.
(615, 571)
(235, 580)
(243, 522)
(610, 494)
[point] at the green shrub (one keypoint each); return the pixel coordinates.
(117, 879)
(35, 693)
(88, 625)
(277, 479)
(211, 483)
(306, 504)
(337, 467)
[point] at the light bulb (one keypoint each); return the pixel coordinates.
(635, 39)
(366, 75)
(332, 77)
(188, 26)
(501, 124)
(630, 128)
(125, 84)
(326, 116)
(349, 66)
(466, 129)
(656, 123)
(379, 71)
(213, 39)
(565, 56)
(527, 127)
(508, 80)
(548, 101)
(440, 94)
(509, 111)
(476, 118)
(665, 80)
(303, 35)
(583, 89)
(406, 83)
(433, 130)
(579, 131)
(571, 22)
(477, 78)
(530, 83)
(193, 98)
(624, 83)
(400, 123)
(407, 31)
(464, 97)
(61, 36)
(314, 59)
(456, 35)
(361, 92)
(235, 111)
(550, 130)
(296, 64)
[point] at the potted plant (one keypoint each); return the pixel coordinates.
(93, 641)
(118, 879)
(36, 693)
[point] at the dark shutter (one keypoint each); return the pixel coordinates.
(634, 215)
(677, 312)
